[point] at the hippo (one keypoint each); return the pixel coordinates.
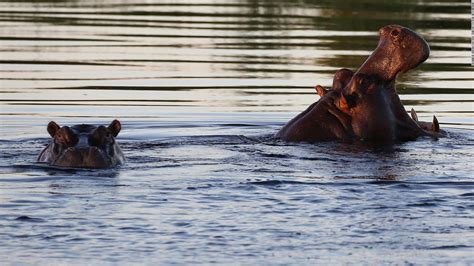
(83, 146)
(364, 105)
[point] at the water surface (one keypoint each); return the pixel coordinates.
(200, 88)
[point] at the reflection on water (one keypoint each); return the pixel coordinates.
(200, 86)
(255, 56)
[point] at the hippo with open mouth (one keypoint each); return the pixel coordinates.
(365, 106)
(83, 146)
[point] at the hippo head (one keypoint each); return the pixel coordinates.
(399, 50)
(365, 100)
(365, 105)
(83, 146)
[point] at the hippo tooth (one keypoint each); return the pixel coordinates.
(435, 125)
(414, 115)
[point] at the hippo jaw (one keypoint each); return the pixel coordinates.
(83, 146)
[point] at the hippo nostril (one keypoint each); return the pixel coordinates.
(395, 32)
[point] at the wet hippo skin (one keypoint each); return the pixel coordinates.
(83, 146)
(365, 106)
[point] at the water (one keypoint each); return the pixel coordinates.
(200, 88)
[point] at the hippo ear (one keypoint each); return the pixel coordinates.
(53, 128)
(115, 127)
(321, 91)
(343, 102)
(66, 136)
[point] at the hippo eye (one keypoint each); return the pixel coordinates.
(351, 99)
(364, 83)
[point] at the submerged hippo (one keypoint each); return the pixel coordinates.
(365, 105)
(83, 146)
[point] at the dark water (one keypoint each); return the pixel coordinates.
(200, 87)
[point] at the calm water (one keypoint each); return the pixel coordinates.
(200, 87)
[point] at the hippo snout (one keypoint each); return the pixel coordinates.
(90, 157)
(410, 47)
(399, 50)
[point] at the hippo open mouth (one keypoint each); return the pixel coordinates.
(83, 146)
(364, 105)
